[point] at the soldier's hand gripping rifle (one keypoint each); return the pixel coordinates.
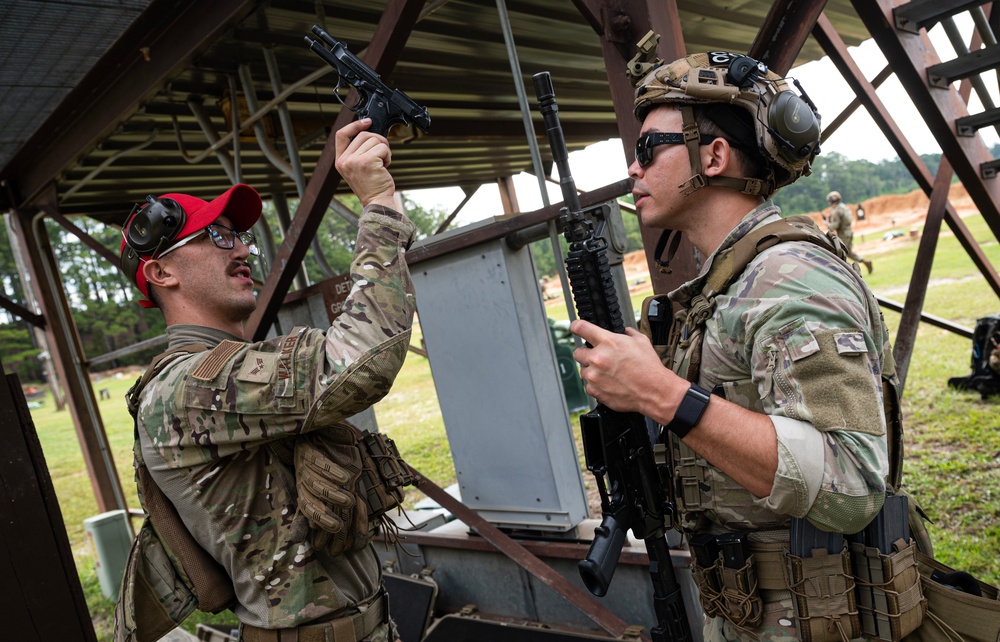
(385, 106)
(616, 444)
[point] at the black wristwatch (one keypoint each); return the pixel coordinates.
(690, 411)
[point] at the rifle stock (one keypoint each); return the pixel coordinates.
(616, 444)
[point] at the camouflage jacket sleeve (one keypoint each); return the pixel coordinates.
(213, 404)
(812, 338)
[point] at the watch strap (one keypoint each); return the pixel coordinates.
(690, 411)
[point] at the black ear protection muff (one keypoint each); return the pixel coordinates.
(791, 119)
(794, 125)
(150, 231)
(155, 226)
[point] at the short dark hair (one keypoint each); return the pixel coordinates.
(736, 126)
(153, 296)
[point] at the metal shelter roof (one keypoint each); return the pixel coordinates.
(109, 100)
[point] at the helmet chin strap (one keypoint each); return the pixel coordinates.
(692, 139)
(669, 241)
(663, 261)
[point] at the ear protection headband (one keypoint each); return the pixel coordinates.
(791, 120)
(151, 230)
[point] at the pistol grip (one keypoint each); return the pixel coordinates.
(599, 566)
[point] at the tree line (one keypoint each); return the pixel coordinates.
(856, 180)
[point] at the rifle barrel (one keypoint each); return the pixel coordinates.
(557, 142)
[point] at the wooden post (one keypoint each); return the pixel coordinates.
(67, 355)
(41, 590)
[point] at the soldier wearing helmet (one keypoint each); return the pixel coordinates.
(841, 222)
(769, 389)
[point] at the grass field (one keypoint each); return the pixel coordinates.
(952, 438)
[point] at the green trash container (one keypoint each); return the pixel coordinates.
(110, 539)
(562, 340)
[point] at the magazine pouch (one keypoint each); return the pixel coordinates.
(822, 589)
(890, 600)
(706, 567)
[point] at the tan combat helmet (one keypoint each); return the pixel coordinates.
(786, 123)
(833, 197)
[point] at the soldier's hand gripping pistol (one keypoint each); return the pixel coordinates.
(616, 444)
(385, 106)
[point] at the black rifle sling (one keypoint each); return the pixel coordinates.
(210, 581)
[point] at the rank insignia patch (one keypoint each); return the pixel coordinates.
(258, 367)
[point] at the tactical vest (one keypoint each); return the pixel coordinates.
(347, 480)
(168, 575)
(682, 354)
(933, 609)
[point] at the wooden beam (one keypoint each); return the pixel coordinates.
(834, 47)
(842, 117)
(911, 56)
(786, 28)
(620, 25)
(906, 335)
(67, 355)
(19, 310)
(53, 212)
(431, 247)
(508, 195)
(391, 33)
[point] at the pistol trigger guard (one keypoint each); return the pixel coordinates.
(392, 121)
(336, 94)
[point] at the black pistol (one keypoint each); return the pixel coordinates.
(386, 107)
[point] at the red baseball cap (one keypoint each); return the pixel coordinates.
(240, 203)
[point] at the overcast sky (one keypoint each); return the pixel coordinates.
(858, 138)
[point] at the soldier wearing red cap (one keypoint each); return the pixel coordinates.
(260, 499)
(171, 221)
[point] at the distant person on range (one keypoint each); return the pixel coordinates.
(841, 222)
(275, 500)
(767, 381)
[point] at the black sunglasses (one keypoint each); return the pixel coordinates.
(644, 144)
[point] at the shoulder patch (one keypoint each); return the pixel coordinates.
(850, 342)
(258, 367)
(216, 360)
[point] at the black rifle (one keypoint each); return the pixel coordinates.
(616, 444)
(386, 107)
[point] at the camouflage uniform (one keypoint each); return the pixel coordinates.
(217, 431)
(797, 337)
(841, 222)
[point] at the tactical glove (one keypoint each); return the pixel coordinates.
(326, 475)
